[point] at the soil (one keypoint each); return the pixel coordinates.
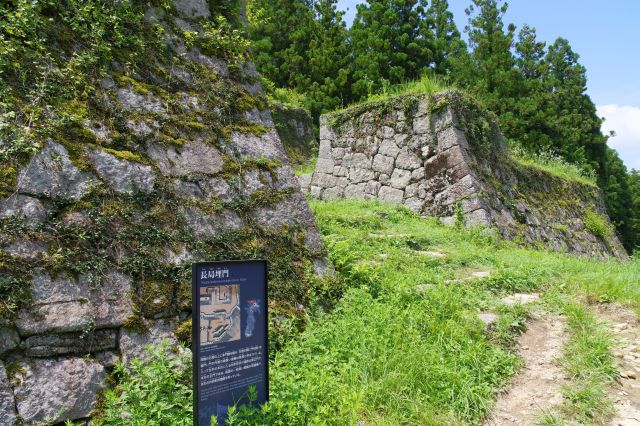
(625, 325)
(537, 388)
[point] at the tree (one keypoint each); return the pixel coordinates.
(447, 44)
(490, 72)
(281, 32)
(634, 190)
(389, 44)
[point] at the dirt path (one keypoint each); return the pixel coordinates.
(538, 386)
(626, 393)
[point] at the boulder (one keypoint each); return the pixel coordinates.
(267, 145)
(136, 102)
(51, 173)
(54, 390)
(9, 339)
(212, 225)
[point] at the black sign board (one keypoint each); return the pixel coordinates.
(229, 336)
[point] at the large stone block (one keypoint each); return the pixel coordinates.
(55, 390)
(212, 225)
(400, 178)
(28, 208)
(383, 164)
(64, 304)
(408, 160)
(122, 175)
(390, 194)
(51, 173)
(389, 148)
(9, 339)
(136, 102)
(71, 343)
(250, 146)
(193, 157)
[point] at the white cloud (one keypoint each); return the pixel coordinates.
(625, 121)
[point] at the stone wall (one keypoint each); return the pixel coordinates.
(444, 156)
(295, 128)
(177, 163)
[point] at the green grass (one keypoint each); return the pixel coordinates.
(390, 352)
(590, 367)
(553, 164)
(308, 166)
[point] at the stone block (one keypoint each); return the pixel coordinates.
(266, 145)
(450, 137)
(333, 193)
(305, 181)
(9, 339)
(373, 187)
(212, 225)
(400, 178)
(389, 148)
(361, 161)
(28, 208)
(357, 175)
(136, 102)
(133, 344)
(27, 249)
(390, 194)
(71, 343)
(418, 174)
(54, 390)
(51, 173)
(122, 175)
(414, 204)
(357, 191)
(8, 415)
(323, 180)
(325, 148)
(65, 304)
(192, 157)
(217, 188)
(408, 160)
(383, 164)
(325, 165)
(421, 124)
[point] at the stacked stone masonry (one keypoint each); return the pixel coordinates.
(443, 156)
(57, 350)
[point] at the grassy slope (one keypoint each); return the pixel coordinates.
(390, 353)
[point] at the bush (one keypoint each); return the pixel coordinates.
(597, 224)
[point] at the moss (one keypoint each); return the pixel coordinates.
(126, 155)
(155, 297)
(184, 332)
(8, 180)
(246, 128)
(598, 224)
(135, 85)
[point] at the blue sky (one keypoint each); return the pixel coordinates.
(605, 35)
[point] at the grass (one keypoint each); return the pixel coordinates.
(588, 363)
(553, 164)
(404, 345)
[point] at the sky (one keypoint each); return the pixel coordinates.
(605, 35)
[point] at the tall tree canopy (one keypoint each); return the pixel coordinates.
(390, 44)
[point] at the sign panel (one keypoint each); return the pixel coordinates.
(229, 336)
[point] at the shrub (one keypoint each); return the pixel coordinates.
(597, 224)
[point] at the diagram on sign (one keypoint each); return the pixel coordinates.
(219, 314)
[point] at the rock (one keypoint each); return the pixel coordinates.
(193, 157)
(212, 225)
(9, 339)
(63, 305)
(400, 178)
(26, 249)
(177, 257)
(488, 318)
(217, 188)
(55, 390)
(390, 194)
(52, 174)
(71, 343)
(267, 145)
(107, 358)
(388, 148)
(133, 344)
(30, 209)
(136, 102)
(480, 274)
(630, 374)
(7, 403)
(305, 181)
(383, 164)
(520, 299)
(408, 160)
(251, 182)
(122, 175)
(323, 267)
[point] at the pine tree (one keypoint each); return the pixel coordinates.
(447, 44)
(490, 72)
(576, 129)
(329, 60)
(281, 32)
(634, 190)
(389, 44)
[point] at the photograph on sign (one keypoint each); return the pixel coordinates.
(229, 337)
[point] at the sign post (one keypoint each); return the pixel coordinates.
(229, 336)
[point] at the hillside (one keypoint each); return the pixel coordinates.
(427, 331)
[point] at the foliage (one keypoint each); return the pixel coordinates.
(155, 392)
(553, 163)
(597, 224)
